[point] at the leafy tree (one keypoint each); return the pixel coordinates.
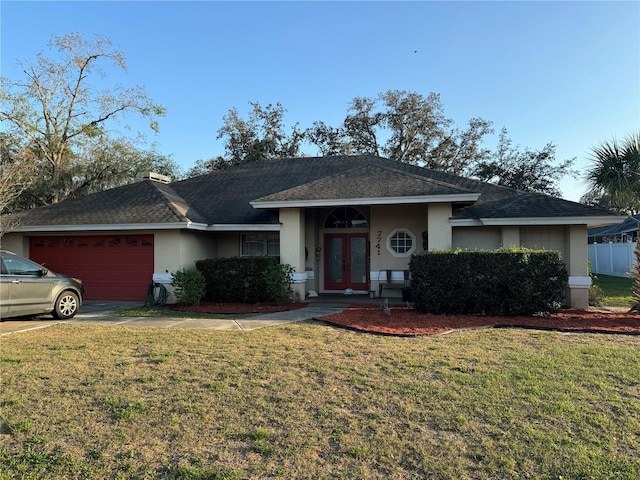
(106, 163)
(260, 137)
(416, 131)
(55, 108)
(401, 125)
(461, 150)
(96, 165)
(329, 140)
(524, 169)
(614, 176)
(361, 126)
(417, 125)
(202, 167)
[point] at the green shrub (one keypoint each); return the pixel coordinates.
(499, 282)
(246, 279)
(189, 286)
(278, 282)
(596, 295)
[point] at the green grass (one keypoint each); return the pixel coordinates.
(309, 401)
(165, 311)
(617, 290)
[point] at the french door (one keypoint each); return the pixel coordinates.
(346, 261)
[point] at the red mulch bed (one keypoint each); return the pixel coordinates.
(405, 321)
(229, 308)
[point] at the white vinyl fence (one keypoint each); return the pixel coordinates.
(617, 259)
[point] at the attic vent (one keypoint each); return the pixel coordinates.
(154, 177)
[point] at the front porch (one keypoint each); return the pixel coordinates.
(360, 299)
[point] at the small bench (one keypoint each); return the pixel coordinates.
(398, 282)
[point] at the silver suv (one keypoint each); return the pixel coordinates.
(27, 288)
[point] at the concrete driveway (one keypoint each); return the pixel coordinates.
(97, 313)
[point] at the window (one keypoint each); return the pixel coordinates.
(20, 266)
(401, 242)
(346, 217)
(260, 244)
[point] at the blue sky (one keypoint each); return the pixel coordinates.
(561, 72)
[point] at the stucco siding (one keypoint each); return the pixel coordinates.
(544, 238)
(16, 243)
(196, 246)
(476, 238)
(385, 220)
(228, 245)
(167, 249)
(312, 244)
(439, 226)
(176, 249)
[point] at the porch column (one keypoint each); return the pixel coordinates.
(292, 241)
(439, 226)
(510, 237)
(577, 264)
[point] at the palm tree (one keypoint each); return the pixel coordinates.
(614, 178)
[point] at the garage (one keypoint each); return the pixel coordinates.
(112, 267)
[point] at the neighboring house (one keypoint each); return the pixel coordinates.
(612, 247)
(627, 231)
(341, 222)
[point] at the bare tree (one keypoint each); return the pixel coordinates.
(55, 106)
(16, 175)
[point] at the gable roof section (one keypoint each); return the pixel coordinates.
(366, 185)
(146, 202)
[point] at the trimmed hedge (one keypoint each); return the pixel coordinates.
(246, 280)
(498, 282)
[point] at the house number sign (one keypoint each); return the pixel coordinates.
(378, 240)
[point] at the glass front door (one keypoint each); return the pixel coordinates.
(346, 261)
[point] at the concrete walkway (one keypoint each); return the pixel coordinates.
(97, 313)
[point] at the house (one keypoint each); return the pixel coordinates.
(627, 231)
(612, 248)
(342, 222)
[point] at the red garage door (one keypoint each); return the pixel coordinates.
(112, 267)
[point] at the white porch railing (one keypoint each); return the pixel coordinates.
(617, 259)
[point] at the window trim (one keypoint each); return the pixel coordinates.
(348, 221)
(410, 234)
(265, 243)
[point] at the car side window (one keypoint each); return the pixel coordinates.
(17, 266)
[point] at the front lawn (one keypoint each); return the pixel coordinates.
(308, 401)
(617, 290)
(165, 311)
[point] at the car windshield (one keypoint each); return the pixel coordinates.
(19, 266)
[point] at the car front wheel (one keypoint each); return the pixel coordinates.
(66, 305)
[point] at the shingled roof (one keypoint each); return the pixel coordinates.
(225, 197)
(367, 182)
(143, 202)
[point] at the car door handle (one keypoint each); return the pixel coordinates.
(17, 281)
